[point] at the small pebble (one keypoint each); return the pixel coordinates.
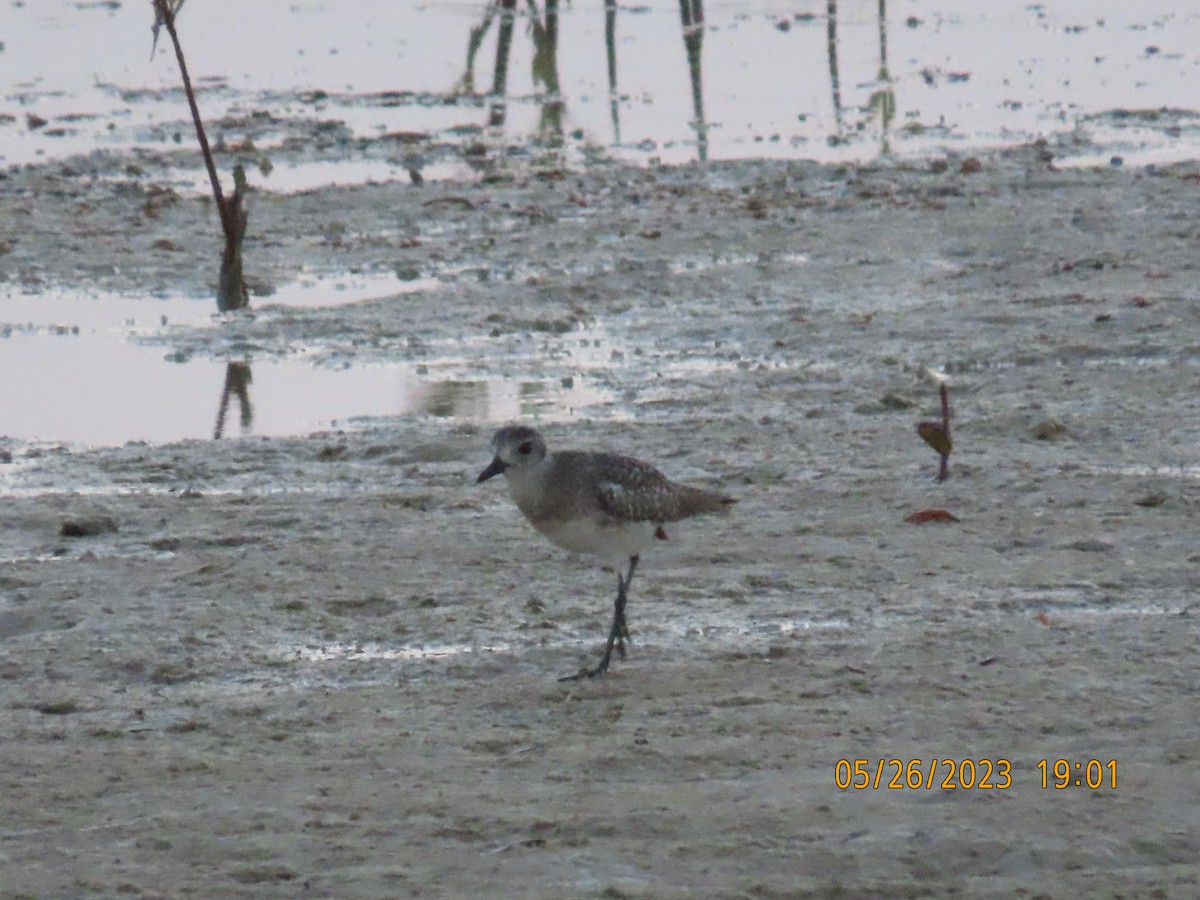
(1049, 430)
(88, 525)
(1090, 545)
(892, 400)
(1151, 500)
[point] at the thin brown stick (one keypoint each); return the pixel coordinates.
(167, 17)
(943, 472)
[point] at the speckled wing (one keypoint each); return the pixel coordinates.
(633, 491)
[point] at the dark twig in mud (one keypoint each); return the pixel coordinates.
(937, 435)
(231, 290)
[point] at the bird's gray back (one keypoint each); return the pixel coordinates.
(627, 489)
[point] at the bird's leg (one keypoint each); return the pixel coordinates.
(619, 626)
(617, 633)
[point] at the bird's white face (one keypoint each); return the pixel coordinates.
(519, 447)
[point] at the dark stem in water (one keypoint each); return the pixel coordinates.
(545, 72)
(943, 472)
(508, 13)
(835, 77)
(237, 384)
(474, 42)
(691, 14)
(231, 291)
(884, 98)
(610, 46)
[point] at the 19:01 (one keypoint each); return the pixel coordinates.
(1063, 773)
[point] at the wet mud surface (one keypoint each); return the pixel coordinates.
(325, 665)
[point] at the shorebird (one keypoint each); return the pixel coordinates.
(610, 506)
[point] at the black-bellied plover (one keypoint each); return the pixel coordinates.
(600, 503)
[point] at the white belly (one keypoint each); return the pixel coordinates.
(615, 543)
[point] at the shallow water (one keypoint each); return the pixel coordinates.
(770, 79)
(87, 381)
(125, 393)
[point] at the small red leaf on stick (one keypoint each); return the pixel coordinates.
(933, 434)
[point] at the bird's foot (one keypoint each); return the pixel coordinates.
(585, 673)
(599, 669)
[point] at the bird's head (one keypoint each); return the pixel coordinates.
(515, 447)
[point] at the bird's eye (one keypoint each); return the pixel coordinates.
(525, 448)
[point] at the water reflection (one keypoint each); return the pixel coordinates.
(955, 81)
(835, 77)
(691, 15)
(499, 103)
(82, 351)
(882, 101)
(545, 73)
(78, 377)
(544, 33)
(610, 52)
(455, 398)
(544, 68)
(386, 391)
(461, 399)
(237, 384)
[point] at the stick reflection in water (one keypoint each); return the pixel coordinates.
(237, 383)
(691, 13)
(544, 32)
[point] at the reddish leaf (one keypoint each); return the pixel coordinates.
(932, 515)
